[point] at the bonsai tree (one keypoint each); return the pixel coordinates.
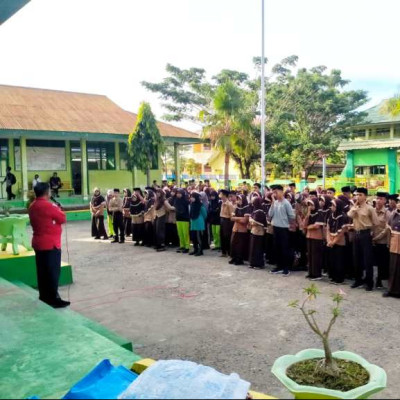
(328, 365)
(145, 141)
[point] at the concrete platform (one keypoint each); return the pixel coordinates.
(44, 352)
(23, 268)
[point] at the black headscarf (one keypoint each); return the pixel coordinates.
(326, 209)
(315, 215)
(97, 200)
(137, 206)
(150, 200)
(244, 209)
(337, 219)
(214, 208)
(258, 214)
(195, 207)
(127, 198)
(160, 199)
(181, 206)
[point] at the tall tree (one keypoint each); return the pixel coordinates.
(145, 142)
(310, 112)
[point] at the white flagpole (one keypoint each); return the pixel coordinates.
(263, 98)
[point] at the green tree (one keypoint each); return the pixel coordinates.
(145, 141)
(392, 106)
(309, 113)
(192, 167)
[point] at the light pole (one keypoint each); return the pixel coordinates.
(263, 98)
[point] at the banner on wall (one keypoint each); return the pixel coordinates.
(42, 158)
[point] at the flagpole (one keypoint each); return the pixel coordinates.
(263, 97)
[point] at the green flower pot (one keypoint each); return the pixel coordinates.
(376, 383)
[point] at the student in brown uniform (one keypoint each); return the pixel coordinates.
(240, 235)
(313, 226)
(227, 209)
(97, 206)
(171, 231)
(364, 220)
(127, 212)
(137, 215)
(394, 269)
(381, 239)
(148, 217)
(162, 207)
(116, 208)
(336, 241)
(258, 224)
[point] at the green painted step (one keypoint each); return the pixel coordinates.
(43, 351)
(80, 319)
(23, 268)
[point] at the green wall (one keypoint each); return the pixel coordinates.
(371, 157)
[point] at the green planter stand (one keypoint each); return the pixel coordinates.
(376, 384)
(13, 230)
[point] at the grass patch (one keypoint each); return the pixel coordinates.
(350, 376)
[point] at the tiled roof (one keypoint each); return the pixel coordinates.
(52, 110)
(375, 115)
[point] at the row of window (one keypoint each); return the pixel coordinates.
(50, 155)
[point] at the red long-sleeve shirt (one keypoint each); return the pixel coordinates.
(46, 220)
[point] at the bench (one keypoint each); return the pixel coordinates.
(66, 188)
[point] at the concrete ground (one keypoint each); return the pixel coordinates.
(234, 319)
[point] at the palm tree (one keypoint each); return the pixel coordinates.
(225, 126)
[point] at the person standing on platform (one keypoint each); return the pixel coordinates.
(198, 218)
(46, 221)
(9, 180)
(394, 269)
(127, 212)
(364, 220)
(97, 206)
(227, 209)
(381, 240)
(181, 205)
(282, 215)
(117, 210)
(214, 219)
(240, 234)
(55, 184)
(137, 215)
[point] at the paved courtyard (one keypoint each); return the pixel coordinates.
(232, 318)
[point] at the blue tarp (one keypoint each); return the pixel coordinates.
(103, 382)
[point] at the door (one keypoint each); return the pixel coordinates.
(76, 167)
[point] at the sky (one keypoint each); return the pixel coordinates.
(109, 46)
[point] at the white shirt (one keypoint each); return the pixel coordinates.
(35, 182)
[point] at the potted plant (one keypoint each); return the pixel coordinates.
(321, 374)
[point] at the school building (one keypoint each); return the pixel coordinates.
(82, 137)
(373, 153)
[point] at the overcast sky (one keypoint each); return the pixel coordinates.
(110, 46)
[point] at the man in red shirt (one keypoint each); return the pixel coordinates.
(46, 220)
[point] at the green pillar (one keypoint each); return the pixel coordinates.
(349, 169)
(392, 165)
(85, 177)
(177, 164)
(24, 168)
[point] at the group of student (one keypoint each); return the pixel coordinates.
(342, 237)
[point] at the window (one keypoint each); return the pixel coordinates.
(373, 170)
(383, 132)
(123, 156)
(42, 155)
(101, 156)
(360, 133)
(3, 156)
(207, 147)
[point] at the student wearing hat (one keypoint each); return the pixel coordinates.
(381, 239)
(364, 220)
(227, 211)
(392, 199)
(116, 208)
(331, 192)
(394, 267)
(282, 215)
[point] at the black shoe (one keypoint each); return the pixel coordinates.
(185, 251)
(97, 238)
(232, 261)
(379, 285)
(61, 304)
(137, 244)
(192, 253)
(276, 271)
(356, 285)
(386, 294)
(160, 249)
(369, 289)
(199, 253)
(308, 276)
(122, 241)
(105, 238)
(239, 263)
(180, 250)
(115, 241)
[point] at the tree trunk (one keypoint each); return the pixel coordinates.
(148, 176)
(329, 360)
(226, 179)
(247, 173)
